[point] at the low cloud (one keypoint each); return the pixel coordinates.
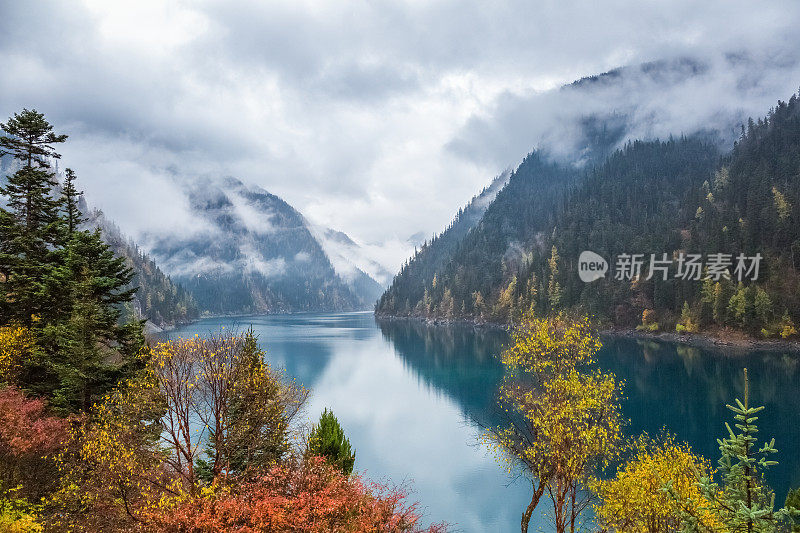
(187, 264)
(716, 93)
(253, 262)
(378, 118)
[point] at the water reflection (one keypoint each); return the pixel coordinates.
(404, 410)
(459, 361)
(408, 396)
(686, 388)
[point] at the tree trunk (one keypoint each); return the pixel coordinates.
(526, 516)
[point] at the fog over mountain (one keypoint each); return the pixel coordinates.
(680, 96)
(376, 119)
(250, 251)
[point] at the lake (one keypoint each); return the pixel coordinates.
(411, 397)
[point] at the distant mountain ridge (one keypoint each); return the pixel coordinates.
(679, 195)
(251, 252)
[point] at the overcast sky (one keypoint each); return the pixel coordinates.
(375, 118)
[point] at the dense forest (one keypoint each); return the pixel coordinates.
(673, 197)
(158, 298)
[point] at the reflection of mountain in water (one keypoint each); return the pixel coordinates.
(672, 386)
(685, 389)
(460, 362)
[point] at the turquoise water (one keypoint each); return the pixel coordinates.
(411, 399)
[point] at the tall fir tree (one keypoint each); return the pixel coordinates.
(62, 281)
(29, 226)
(327, 440)
(86, 337)
(70, 197)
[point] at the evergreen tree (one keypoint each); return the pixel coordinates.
(70, 197)
(29, 226)
(86, 333)
(327, 440)
(742, 501)
(64, 283)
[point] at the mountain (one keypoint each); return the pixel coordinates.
(494, 229)
(159, 300)
(351, 263)
(679, 196)
(679, 96)
(430, 256)
(251, 252)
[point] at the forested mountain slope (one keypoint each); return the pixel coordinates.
(434, 255)
(473, 260)
(675, 197)
(158, 299)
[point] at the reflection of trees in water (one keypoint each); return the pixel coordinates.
(682, 388)
(459, 361)
(685, 389)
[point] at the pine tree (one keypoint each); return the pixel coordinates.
(29, 226)
(70, 197)
(742, 501)
(327, 440)
(86, 333)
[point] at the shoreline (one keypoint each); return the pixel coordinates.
(736, 345)
(732, 346)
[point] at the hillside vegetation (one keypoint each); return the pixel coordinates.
(673, 197)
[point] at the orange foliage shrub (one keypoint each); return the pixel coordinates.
(28, 436)
(309, 496)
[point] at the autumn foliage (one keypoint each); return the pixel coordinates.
(562, 418)
(29, 435)
(16, 345)
(307, 496)
(26, 428)
(202, 440)
(636, 499)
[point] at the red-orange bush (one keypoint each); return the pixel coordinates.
(26, 427)
(28, 436)
(303, 496)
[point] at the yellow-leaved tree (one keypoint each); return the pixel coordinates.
(16, 345)
(562, 418)
(635, 500)
(201, 411)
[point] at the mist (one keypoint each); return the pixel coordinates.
(378, 119)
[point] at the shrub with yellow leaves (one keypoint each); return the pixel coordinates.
(16, 345)
(202, 405)
(635, 500)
